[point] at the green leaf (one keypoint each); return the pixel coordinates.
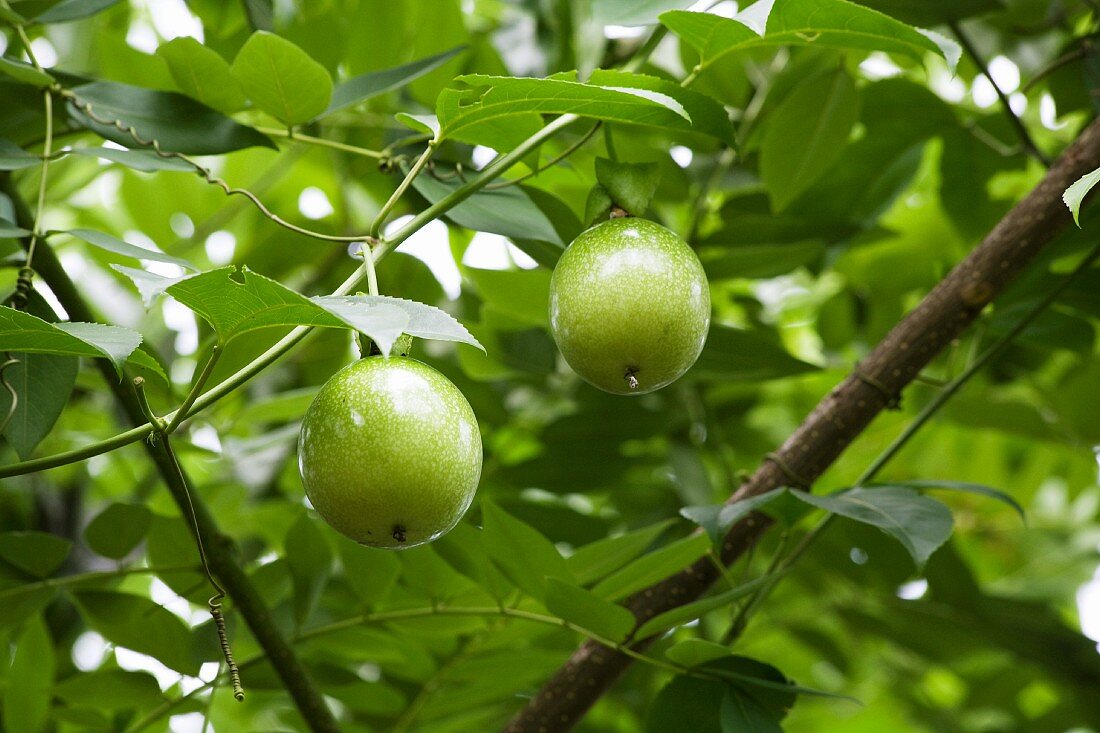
(695, 652)
(38, 553)
(111, 689)
(966, 488)
(176, 122)
(370, 572)
(21, 331)
(202, 74)
(740, 712)
(149, 285)
(806, 134)
(687, 704)
(520, 551)
(424, 321)
(716, 519)
(13, 157)
(933, 12)
(282, 79)
(486, 98)
(697, 609)
(68, 10)
(652, 567)
(822, 23)
(708, 116)
(758, 260)
(1075, 194)
(920, 523)
(8, 229)
(114, 244)
(20, 602)
(117, 530)
(365, 86)
(137, 623)
(42, 383)
(506, 211)
(24, 73)
(30, 680)
(238, 301)
(310, 561)
(522, 295)
(595, 560)
(140, 160)
(588, 610)
(758, 694)
(733, 354)
(630, 185)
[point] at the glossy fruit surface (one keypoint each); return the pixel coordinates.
(629, 306)
(390, 452)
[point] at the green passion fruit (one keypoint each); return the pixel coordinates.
(390, 452)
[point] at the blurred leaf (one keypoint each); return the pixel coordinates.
(365, 86)
(597, 559)
(716, 519)
(921, 524)
(282, 79)
(38, 553)
(137, 623)
(176, 122)
(695, 652)
(965, 488)
(652, 567)
(310, 561)
(68, 10)
(42, 383)
(113, 244)
(202, 74)
(140, 160)
(117, 530)
(23, 332)
(30, 680)
(633, 12)
(630, 185)
(759, 260)
(734, 354)
(111, 689)
(523, 295)
(588, 610)
(1075, 194)
(24, 73)
(688, 704)
(521, 552)
(505, 211)
(13, 157)
(932, 12)
(7, 229)
(371, 573)
(697, 609)
(806, 134)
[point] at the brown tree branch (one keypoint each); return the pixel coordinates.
(836, 421)
(220, 550)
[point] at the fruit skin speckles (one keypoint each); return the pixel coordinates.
(629, 306)
(390, 452)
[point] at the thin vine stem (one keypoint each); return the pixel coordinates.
(196, 389)
(321, 142)
(380, 219)
(550, 163)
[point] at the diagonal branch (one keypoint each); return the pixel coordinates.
(836, 422)
(220, 549)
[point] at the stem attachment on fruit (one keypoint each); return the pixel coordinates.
(618, 212)
(631, 378)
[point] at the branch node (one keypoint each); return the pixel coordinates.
(796, 481)
(892, 398)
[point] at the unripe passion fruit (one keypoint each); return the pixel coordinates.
(390, 452)
(629, 306)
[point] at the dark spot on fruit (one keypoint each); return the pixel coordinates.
(399, 533)
(631, 378)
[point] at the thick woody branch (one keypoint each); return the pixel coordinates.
(220, 550)
(836, 421)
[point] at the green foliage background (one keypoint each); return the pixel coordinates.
(863, 171)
